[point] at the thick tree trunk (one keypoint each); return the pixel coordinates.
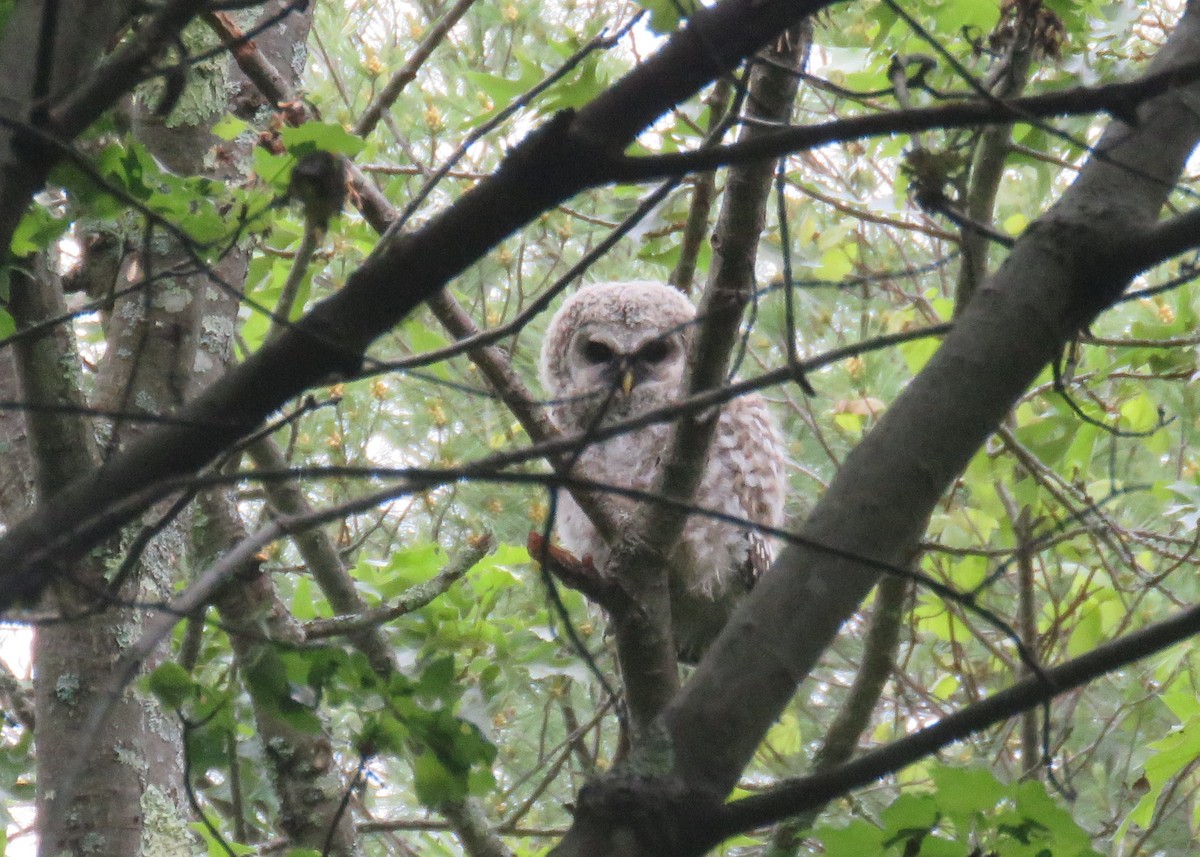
(308, 783)
(127, 799)
(16, 468)
(130, 794)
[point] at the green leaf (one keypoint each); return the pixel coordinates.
(855, 840)
(1139, 413)
(1060, 829)
(1015, 224)
(979, 15)
(36, 231)
(217, 847)
(784, 737)
(267, 677)
(273, 169)
(665, 15)
(910, 812)
(172, 684)
(325, 136)
(581, 88)
(962, 792)
(917, 353)
(936, 846)
(1172, 753)
(409, 567)
(230, 127)
(504, 89)
(836, 264)
(383, 733)
(438, 678)
(945, 687)
(435, 783)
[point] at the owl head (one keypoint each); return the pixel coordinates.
(621, 347)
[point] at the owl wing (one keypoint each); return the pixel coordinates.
(758, 560)
(759, 481)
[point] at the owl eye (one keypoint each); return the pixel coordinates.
(655, 352)
(596, 353)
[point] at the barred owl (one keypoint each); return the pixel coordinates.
(615, 350)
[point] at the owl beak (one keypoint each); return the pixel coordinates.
(627, 381)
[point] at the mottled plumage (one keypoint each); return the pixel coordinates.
(615, 350)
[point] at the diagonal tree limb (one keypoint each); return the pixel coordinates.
(554, 162)
(1065, 269)
(812, 791)
(1120, 100)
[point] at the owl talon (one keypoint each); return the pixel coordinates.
(582, 575)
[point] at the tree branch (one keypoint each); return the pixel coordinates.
(413, 598)
(797, 795)
(554, 162)
(854, 715)
(645, 647)
(1121, 100)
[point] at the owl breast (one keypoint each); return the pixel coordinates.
(714, 562)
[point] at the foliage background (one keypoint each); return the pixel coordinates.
(1092, 531)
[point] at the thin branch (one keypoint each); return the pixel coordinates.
(95, 518)
(603, 41)
(854, 715)
(260, 71)
(413, 598)
(795, 796)
(408, 72)
(1117, 99)
(704, 188)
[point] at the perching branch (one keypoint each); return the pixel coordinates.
(1120, 100)
(645, 648)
